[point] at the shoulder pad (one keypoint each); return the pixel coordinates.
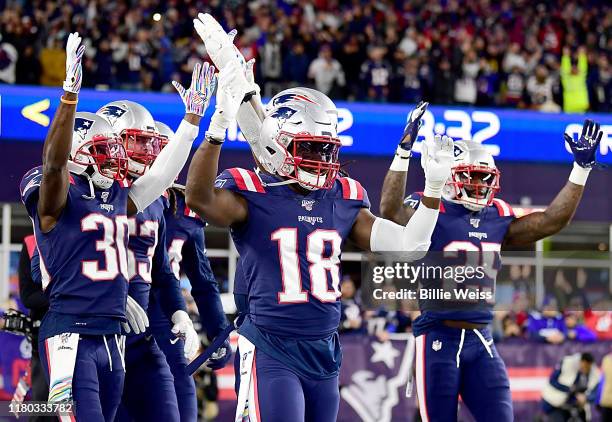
(503, 208)
(239, 179)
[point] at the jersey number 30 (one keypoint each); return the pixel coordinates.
(319, 265)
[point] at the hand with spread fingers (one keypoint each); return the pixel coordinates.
(436, 160)
(585, 147)
(197, 97)
(74, 69)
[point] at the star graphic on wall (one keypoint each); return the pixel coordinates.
(384, 352)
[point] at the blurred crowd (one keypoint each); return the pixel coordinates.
(550, 55)
(566, 314)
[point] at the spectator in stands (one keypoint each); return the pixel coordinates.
(573, 77)
(53, 63)
(295, 66)
(350, 311)
(412, 85)
(444, 85)
(575, 330)
(376, 74)
(540, 90)
(570, 388)
(28, 67)
(547, 326)
(514, 88)
(600, 322)
(605, 401)
(326, 72)
(601, 84)
(465, 86)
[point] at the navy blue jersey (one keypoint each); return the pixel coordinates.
(187, 251)
(83, 259)
(466, 235)
(148, 261)
(290, 249)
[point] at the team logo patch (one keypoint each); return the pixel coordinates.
(283, 114)
(112, 113)
(436, 345)
(104, 196)
(308, 204)
(82, 126)
(458, 151)
(286, 98)
(475, 222)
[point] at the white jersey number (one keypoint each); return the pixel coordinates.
(319, 265)
(146, 229)
(112, 245)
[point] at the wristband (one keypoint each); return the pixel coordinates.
(70, 102)
(401, 160)
(579, 175)
(211, 140)
(433, 189)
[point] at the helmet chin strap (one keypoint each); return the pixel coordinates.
(92, 194)
(283, 182)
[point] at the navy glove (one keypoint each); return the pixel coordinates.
(585, 148)
(220, 358)
(413, 124)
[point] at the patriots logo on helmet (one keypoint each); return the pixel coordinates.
(458, 151)
(282, 99)
(82, 126)
(112, 113)
(282, 114)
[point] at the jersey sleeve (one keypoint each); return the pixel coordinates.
(164, 281)
(29, 187)
(238, 179)
(204, 288)
(352, 190)
(413, 200)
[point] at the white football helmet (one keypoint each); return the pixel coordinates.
(304, 95)
(136, 128)
(299, 142)
(164, 132)
(474, 177)
(97, 151)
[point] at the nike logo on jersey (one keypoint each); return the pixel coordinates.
(174, 340)
(310, 219)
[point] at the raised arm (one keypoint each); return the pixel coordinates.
(56, 151)
(380, 235)
(394, 187)
(558, 214)
(218, 206)
(173, 157)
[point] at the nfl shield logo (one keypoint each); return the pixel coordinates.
(436, 345)
(307, 204)
(104, 196)
(475, 222)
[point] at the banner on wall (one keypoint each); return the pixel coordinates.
(365, 128)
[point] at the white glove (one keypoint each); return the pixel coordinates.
(436, 160)
(183, 328)
(220, 46)
(229, 98)
(136, 316)
(74, 70)
(197, 97)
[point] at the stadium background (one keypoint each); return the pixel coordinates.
(492, 72)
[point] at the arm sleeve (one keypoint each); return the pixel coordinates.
(166, 167)
(204, 288)
(167, 287)
(30, 289)
(414, 238)
(554, 381)
(566, 65)
(583, 64)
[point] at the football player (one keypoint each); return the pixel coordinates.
(79, 203)
(289, 222)
(148, 392)
(455, 354)
(186, 250)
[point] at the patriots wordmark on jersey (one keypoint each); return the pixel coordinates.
(476, 238)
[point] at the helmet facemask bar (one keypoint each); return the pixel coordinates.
(310, 160)
(474, 185)
(107, 154)
(142, 148)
